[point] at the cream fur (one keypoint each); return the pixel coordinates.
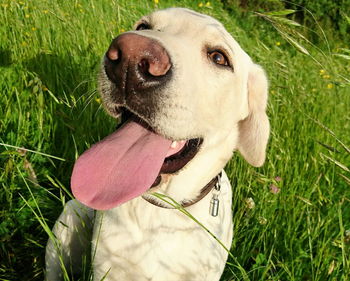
(225, 107)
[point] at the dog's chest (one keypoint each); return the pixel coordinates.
(138, 241)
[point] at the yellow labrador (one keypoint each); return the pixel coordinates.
(188, 96)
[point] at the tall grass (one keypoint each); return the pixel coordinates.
(50, 112)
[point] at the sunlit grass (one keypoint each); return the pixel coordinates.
(291, 217)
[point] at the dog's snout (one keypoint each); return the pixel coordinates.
(138, 59)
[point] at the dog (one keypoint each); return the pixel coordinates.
(187, 96)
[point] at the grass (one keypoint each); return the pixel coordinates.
(297, 228)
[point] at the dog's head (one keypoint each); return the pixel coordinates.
(188, 96)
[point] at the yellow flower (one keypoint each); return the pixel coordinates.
(278, 43)
(45, 11)
(200, 4)
(207, 4)
(322, 71)
(156, 1)
(27, 16)
(33, 28)
(329, 86)
(98, 100)
(122, 30)
(326, 76)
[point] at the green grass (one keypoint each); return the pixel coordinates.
(49, 57)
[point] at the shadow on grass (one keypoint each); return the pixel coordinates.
(64, 127)
(5, 58)
(59, 73)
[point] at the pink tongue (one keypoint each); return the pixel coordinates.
(120, 167)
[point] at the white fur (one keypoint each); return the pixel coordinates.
(226, 108)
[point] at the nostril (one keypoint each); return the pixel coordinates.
(144, 66)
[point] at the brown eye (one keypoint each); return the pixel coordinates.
(143, 26)
(218, 58)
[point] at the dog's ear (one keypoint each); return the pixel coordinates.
(254, 130)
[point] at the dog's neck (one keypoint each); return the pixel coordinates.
(214, 183)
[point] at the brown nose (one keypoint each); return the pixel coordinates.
(136, 59)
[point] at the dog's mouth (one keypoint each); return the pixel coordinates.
(127, 163)
(184, 150)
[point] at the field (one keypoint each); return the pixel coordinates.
(291, 216)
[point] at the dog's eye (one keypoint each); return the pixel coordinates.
(218, 58)
(143, 26)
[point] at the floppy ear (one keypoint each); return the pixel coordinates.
(254, 130)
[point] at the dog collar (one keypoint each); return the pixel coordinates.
(213, 184)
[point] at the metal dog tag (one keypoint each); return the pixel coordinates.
(214, 206)
(214, 202)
